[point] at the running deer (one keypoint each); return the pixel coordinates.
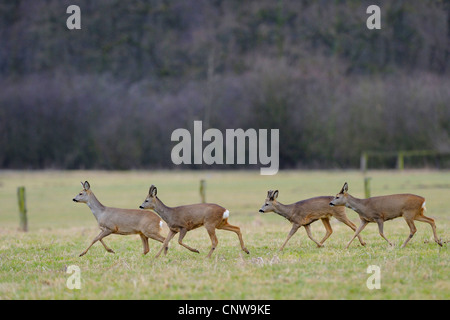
(185, 218)
(120, 221)
(305, 212)
(383, 208)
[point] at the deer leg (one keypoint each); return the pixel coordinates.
(358, 231)
(183, 232)
(145, 243)
(346, 221)
(106, 247)
(156, 236)
(326, 223)
(291, 233)
(236, 230)
(430, 221)
(380, 223)
(412, 228)
(214, 241)
(100, 236)
(308, 232)
(165, 245)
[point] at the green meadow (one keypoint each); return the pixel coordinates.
(33, 265)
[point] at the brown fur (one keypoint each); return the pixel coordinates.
(383, 208)
(185, 218)
(305, 212)
(120, 221)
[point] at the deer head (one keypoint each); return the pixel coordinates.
(270, 200)
(341, 198)
(83, 196)
(150, 201)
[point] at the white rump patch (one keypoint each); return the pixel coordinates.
(226, 214)
(160, 223)
(423, 205)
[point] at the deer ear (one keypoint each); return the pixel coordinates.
(86, 186)
(153, 191)
(275, 194)
(272, 195)
(344, 188)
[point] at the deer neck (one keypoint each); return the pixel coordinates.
(164, 211)
(96, 207)
(283, 210)
(355, 204)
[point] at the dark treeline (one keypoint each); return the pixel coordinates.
(110, 95)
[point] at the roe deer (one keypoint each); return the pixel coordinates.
(120, 221)
(305, 212)
(383, 208)
(185, 218)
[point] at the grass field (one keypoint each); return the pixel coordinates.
(33, 265)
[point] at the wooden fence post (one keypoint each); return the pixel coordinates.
(400, 160)
(367, 187)
(203, 190)
(363, 161)
(22, 209)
